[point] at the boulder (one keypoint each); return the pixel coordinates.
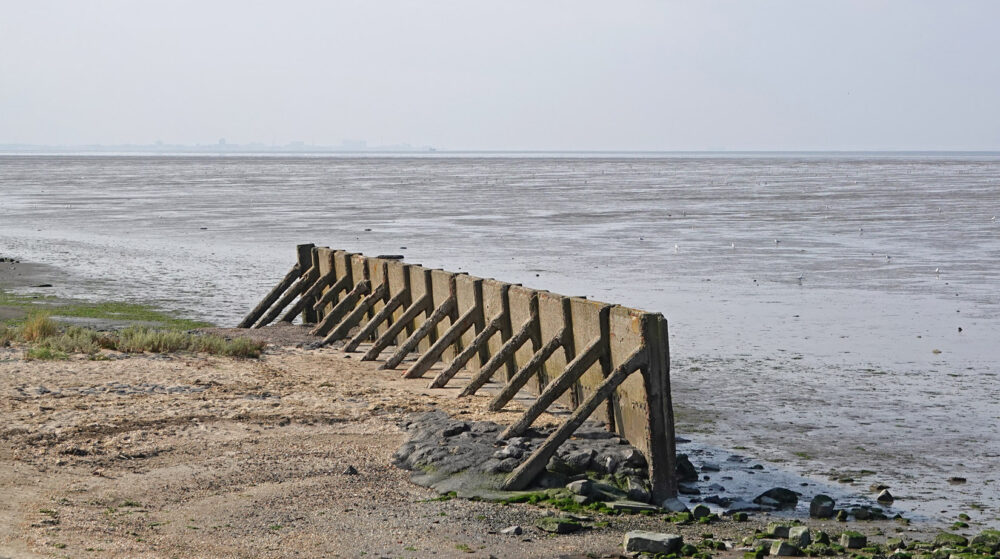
(633, 458)
(673, 505)
(853, 540)
(799, 536)
(685, 469)
(784, 549)
(945, 539)
(581, 487)
(775, 530)
(641, 541)
(700, 511)
(885, 497)
(743, 506)
(718, 500)
(821, 506)
(578, 461)
(785, 498)
(989, 539)
(638, 490)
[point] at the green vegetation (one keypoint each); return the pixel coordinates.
(47, 341)
(44, 353)
(116, 311)
(559, 499)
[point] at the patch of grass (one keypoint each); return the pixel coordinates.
(110, 310)
(44, 353)
(128, 312)
(37, 327)
(49, 343)
(463, 547)
(22, 301)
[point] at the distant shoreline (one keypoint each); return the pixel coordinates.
(280, 151)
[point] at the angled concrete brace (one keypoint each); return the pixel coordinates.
(554, 390)
(271, 297)
(385, 340)
(354, 317)
(308, 296)
(526, 472)
(330, 295)
(525, 333)
(343, 307)
(522, 377)
(378, 294)
(431, 356)
(468, 294)
(520, 304)
(495, 325)
(444, 309)
(298, 287)
(381, 316)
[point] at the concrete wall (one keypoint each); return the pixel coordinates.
(639, 409)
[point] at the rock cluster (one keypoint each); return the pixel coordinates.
(454, 455)
(788, 540)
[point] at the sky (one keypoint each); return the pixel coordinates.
(505, 75)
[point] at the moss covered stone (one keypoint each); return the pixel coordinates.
(988, 540)
(559, 525)
(950, 540)
(853, 540)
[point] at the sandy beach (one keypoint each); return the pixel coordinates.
(164, 455)
(188, 455)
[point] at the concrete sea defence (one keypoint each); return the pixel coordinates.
(602, 361)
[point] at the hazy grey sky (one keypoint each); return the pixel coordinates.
(643, 75)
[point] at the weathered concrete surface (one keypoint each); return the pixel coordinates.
(558, 330)
(496, 303)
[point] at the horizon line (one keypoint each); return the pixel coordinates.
(293, 148)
